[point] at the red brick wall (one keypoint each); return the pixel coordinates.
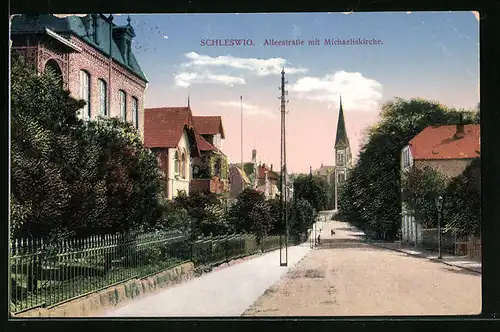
(97, 65)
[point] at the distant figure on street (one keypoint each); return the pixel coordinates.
(332, 232)
(319, 238)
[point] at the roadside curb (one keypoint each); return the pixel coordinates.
(424, 256)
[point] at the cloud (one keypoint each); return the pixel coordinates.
(248, 109)
(165, 36)
(261, 67)
(358, 92)
(199, 65)
(185, 79)
(476, 14)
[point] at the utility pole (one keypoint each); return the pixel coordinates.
(283, 180)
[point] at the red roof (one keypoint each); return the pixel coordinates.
(262, 172)
(442, 143)
(163, 126)
(205, 145)
(209, 125)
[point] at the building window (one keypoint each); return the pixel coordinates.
(176, 162)
(406, 157)
(123, 105)
(341, 177)
(340, 157)
(85, 94)
(135, 112)
(183, 165)
(103, 98)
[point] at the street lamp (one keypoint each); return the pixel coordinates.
(439, 206)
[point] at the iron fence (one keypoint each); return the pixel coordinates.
(46, 274)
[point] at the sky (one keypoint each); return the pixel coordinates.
(431, 55)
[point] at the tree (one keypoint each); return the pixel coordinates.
(239, 213)
(313, 189)
(206, 213)
(74, 178)
(420, 188)
(302, 216)
(372, 193)
(261, 219)
(462, 201)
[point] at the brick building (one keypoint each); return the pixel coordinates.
(448, 149)
(93, 57)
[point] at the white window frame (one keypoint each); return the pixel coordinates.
(340, 157)
(103, 97)
(85, 94)
(123, 104)
(135, 112)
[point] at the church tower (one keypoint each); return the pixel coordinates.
(343, 157)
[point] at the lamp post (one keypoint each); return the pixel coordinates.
(439, 206)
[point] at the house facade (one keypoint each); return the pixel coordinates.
(169, 132)
(93, 57)
(449, 150)
(211, 169)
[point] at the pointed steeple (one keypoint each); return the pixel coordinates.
(341, 140)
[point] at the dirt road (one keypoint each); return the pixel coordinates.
(349, 278)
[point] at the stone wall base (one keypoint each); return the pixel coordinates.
(92, 304)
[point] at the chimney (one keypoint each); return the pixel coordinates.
(271, 167)
(460, 128)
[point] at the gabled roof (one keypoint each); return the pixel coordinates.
(76, 25)
(164, 126)
(262, 172)
(204, 144)
(209, 125)
(440, 142)
(240, 172)
(324, 170)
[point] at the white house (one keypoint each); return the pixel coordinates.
(448, 149)
(169, 132)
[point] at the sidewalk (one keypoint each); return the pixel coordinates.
(463, 262)
(226, 292)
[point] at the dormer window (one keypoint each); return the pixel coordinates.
(95, 23)
(128, 53)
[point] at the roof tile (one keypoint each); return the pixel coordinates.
(441, 143)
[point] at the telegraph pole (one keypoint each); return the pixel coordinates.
(283, 180)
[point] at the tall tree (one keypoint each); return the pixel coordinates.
(420, 187)
(313, 189)
(462, 201)
(69, 177)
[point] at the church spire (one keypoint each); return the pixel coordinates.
(341, 140)
(188, 100)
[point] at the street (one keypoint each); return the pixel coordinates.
(345, 277)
